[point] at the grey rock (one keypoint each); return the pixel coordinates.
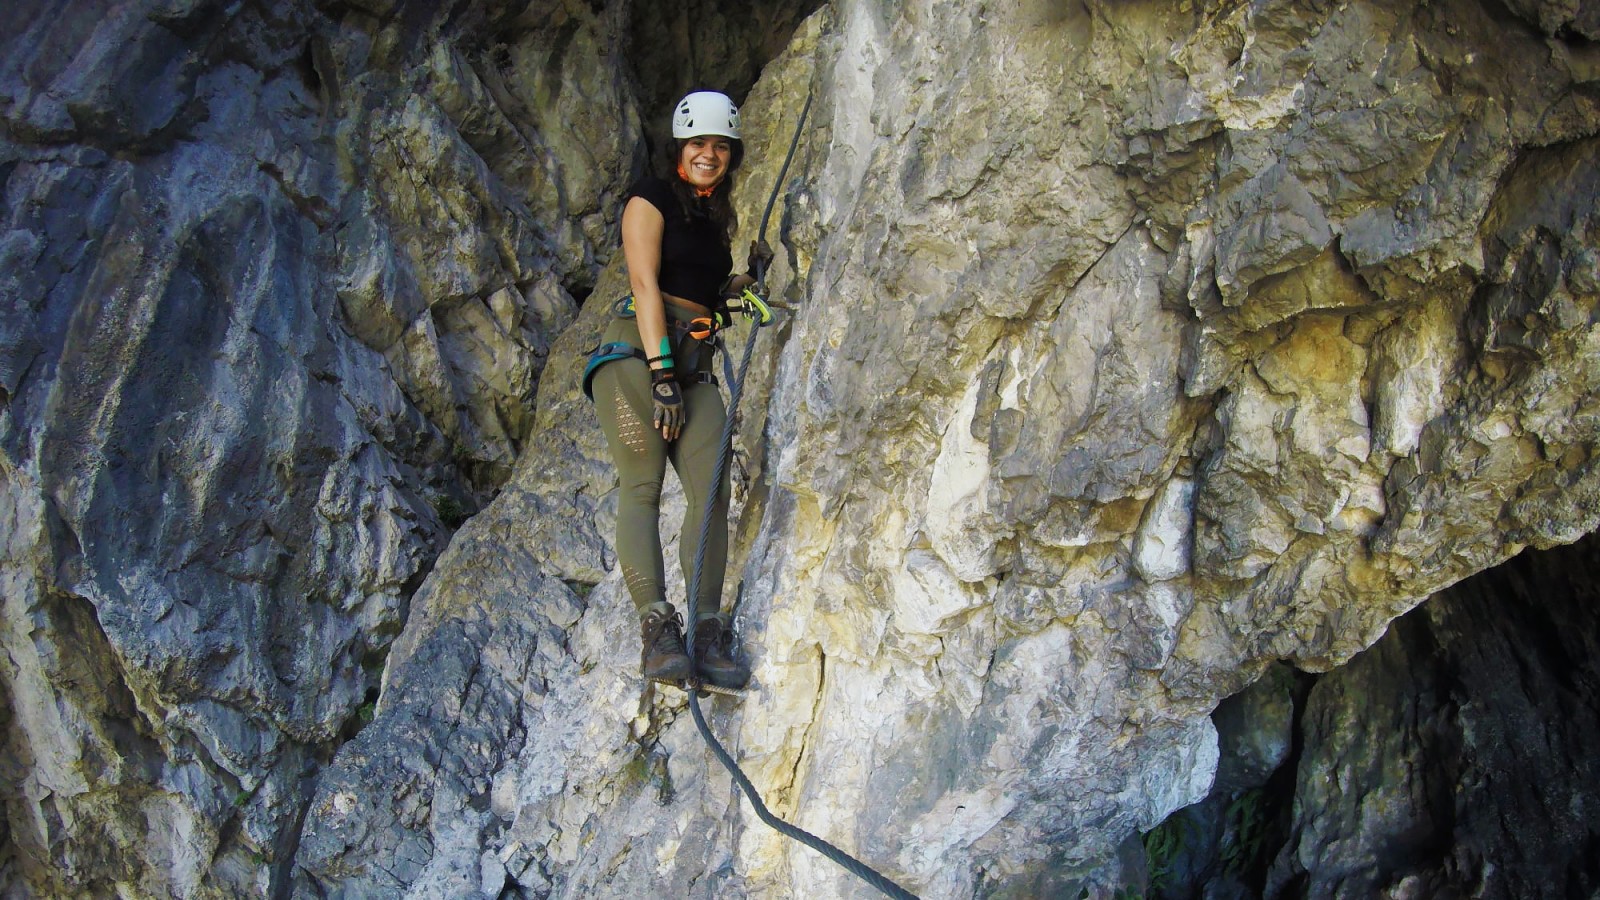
(1127, 351)
(1255, 732)
(245, 394)
(1455, 756)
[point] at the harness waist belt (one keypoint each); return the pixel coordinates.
(616, 350)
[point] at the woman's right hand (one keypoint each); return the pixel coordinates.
(666, 398)
(642, 230)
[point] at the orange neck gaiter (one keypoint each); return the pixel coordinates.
(698, 191)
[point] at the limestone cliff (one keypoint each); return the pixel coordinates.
(1130, 351)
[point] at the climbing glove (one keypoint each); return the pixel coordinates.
(667, 399)
(734, 286)
(759, 260)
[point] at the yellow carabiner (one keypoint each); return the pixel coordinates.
(755, 307)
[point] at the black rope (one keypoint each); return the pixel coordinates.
(735, 392)
(783, 171)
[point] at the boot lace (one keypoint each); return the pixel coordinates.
(666, 633)
(710, 636)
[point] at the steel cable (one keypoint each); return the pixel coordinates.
(735, 391)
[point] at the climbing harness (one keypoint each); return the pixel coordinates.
(697, 334)
(606, 353)
(761, 313)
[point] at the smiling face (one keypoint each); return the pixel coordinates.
(704, 160)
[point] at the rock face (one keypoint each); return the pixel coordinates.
(1469, 731)
(1451, 759)
(1130, 349)
(278, 285)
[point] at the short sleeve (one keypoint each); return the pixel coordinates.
(655, 192)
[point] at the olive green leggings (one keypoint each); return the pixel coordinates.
(622, 400)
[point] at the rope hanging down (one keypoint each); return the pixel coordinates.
(735, 390)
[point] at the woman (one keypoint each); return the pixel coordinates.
(654, 393)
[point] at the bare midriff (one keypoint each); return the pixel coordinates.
(689, 305)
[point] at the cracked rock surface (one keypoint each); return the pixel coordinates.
(277, 284)
(1128, 350)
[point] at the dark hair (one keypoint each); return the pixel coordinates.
(719, 206)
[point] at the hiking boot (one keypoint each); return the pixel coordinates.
(713, 654)
(663, 657)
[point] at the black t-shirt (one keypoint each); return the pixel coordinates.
(694, 263)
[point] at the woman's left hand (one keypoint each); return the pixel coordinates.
(759, 259)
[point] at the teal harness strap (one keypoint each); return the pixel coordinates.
(603, 354)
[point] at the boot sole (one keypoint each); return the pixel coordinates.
(669, 674)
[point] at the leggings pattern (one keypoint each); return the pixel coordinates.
(622, 401)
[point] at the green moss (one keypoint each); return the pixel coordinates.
(648, 770)
(1247, 823)
(1163, 848)
(449, 510)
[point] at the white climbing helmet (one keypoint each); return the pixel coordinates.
(705, 112)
